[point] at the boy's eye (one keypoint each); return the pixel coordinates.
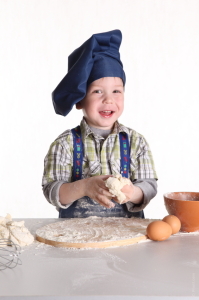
(97, 91)
(116, 91)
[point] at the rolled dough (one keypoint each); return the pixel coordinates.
(93, 229)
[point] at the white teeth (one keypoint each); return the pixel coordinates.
(106, 111)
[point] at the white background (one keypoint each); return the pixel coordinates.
(160, 54)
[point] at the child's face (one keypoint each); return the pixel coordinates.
(103, 103)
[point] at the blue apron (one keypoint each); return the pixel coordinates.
(85, 206)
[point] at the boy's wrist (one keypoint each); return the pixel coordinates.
(137, 196)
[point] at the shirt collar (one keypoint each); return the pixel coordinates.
(86, 130)
(118, 127)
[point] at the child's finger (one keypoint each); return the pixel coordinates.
(105, 201)
(116, 200)
(108, 204)
(105, 177)
(105, 192)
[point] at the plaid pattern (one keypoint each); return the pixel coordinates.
(101, 156)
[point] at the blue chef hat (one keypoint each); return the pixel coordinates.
(98, 57)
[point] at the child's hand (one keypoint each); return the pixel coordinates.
(128, 191)
(95, 188)
(133, 194)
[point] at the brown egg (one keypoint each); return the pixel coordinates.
(158, 231)
(174, 222)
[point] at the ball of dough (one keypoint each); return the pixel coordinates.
(115, 184)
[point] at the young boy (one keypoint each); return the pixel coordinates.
(95, 84)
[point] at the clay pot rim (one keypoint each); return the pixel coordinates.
(166, 195)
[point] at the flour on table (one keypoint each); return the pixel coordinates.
(94, 229)
(15, 231)
(115, 184)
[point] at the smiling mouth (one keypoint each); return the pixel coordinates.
(106, 113)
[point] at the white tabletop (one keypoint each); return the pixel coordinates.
(148, 270)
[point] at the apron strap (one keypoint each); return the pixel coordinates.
(124, 154)
(77, 154)
(125, 163)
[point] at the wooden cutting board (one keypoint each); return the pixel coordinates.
(94, 244)
(93, 232)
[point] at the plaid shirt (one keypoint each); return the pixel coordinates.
(101, 156)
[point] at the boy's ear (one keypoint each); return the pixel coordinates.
(78, 105)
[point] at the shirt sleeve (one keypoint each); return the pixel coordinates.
(51, 193)
(57, 169)
(58, 161)
(141, 164)
(149, 189)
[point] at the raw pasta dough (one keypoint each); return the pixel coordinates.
(115, 184)
(93, 229)
(15, 231)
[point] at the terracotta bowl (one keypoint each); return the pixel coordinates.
(185, 206)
